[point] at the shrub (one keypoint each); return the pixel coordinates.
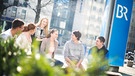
(10, 55)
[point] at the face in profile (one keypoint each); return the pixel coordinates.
(32, 31)
(55, 35)
(44, 23)
(20, 29)
(73, 37)
(98, 42)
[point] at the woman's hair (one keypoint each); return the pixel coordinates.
(46, 27)
(51, 32)
(30, 26)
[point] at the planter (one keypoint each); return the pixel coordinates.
(130, 63)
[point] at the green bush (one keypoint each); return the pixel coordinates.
(10, 55)
(98, 64)
(37, 65)
(14, 62)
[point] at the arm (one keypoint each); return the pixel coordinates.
(69, 62)
(81, 56)
(66, 53)
(38, 39)
(55, 46)
(43, 46)
(79, 63)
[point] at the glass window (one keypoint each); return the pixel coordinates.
(16, 2)
(4, 12)
(23, 14)
(14, 10)
(100, 10)
(5, 1)
(94, 8)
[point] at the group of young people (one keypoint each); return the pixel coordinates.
(73, 49)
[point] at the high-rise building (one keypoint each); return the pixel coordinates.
(82, 15)
(88, 19)
(63, 18)
(131, 37)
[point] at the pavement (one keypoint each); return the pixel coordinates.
(123, 70)
(127, 71)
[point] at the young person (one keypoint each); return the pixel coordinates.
(42, 29)
(17, 27)
(24, 40)
(100, 47)
(49, 46)
(74, 51)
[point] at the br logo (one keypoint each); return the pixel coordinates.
(122, 12)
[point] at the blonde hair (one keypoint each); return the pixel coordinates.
(46, 27)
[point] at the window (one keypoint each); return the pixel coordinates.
(14, 10)
(4, 12)
(64, 13)
(99, 19)
(23, 14)
(94, 8)
(5, 1)
(100, 10)
(16, 2)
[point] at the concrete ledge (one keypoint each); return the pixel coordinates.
(109, 73)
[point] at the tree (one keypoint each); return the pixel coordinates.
(3, 7)
(37, 9)
(39, 5)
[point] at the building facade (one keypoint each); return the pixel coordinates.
(17, 9)
(131, 37)
(82, 15)
(88, 19)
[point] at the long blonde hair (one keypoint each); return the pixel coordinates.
(46, 27)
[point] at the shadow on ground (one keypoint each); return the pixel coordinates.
(124, 74)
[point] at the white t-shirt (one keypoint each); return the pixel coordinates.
(24, 43)
(6, 34)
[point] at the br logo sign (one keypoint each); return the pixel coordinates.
(122, 12)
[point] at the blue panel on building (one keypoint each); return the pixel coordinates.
(119, 32)
(7, 18)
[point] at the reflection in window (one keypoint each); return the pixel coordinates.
(14, 10)
(23, 14)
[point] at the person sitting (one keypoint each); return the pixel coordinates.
(100, 47)
(24, 40)
(16, 29)
(49, 46)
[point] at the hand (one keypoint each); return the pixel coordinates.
(77, 65)
(38, 39)
(53, 59)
